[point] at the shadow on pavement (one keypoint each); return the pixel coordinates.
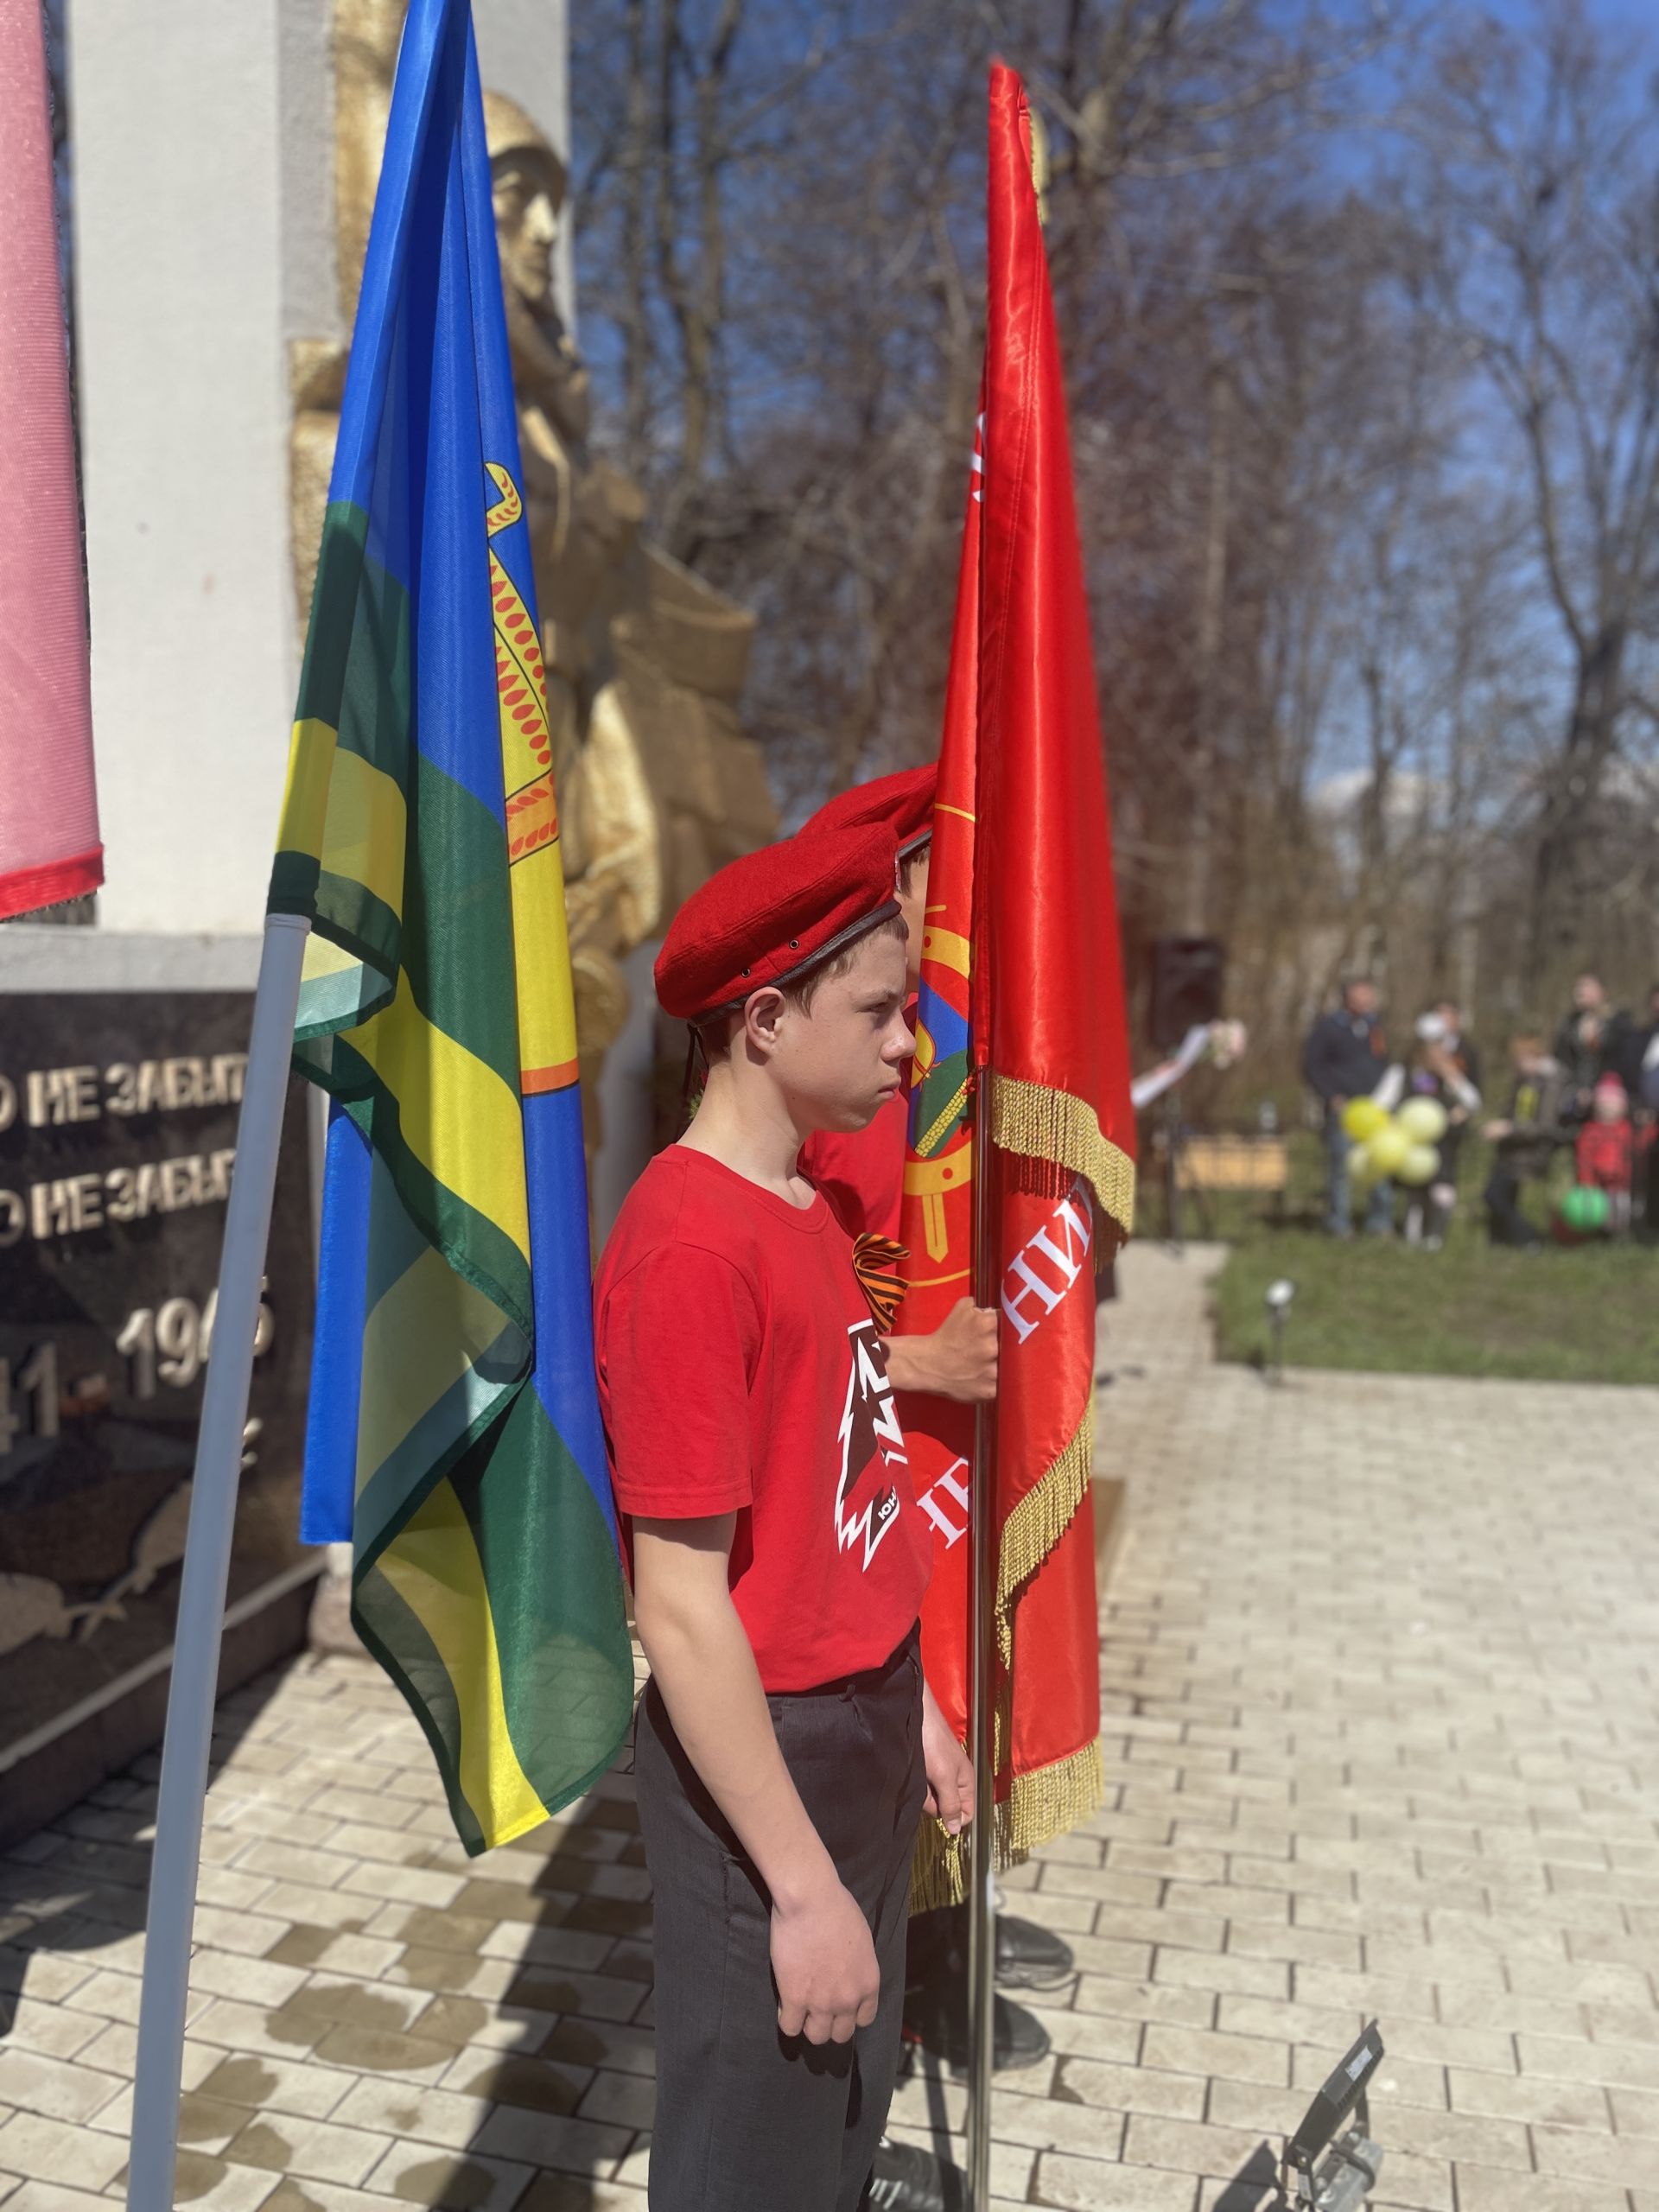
(521, 1995)
(1254, 2188)
(82, 1882)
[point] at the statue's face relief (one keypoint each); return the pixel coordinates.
(527, 227)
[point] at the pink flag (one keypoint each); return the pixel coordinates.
(49, 848)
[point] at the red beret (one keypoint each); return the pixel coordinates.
(765, 917)
(904, 801)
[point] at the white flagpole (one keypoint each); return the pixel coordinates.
(207, 1566)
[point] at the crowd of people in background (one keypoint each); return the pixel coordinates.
(1592, 1089)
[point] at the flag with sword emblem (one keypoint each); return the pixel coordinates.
(1021, 988)
(454, 1435)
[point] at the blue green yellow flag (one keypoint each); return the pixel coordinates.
(455, 1434)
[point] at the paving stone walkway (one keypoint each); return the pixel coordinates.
(1381, 1735)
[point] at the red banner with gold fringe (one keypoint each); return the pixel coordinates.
(1020, 967)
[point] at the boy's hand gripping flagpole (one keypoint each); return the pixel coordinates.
(206, 1566)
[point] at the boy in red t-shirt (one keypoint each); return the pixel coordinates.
(785, 1745)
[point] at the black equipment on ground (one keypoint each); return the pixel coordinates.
(1324, 2171)
(1187, 976)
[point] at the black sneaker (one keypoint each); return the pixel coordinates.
(1029, 1957)
(935, 2018)
(907, 2179)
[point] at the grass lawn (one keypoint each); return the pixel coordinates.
(1585, 1314)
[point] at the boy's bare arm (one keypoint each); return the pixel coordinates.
(822, 1957)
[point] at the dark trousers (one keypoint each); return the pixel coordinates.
(747, 2121)
(1504, 1218)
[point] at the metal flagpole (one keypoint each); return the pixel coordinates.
(982, 1910)
(207, 1566)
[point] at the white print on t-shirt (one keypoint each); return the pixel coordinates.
(871, 1442)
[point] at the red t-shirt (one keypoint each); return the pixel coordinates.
(739, 1371)
(861, 1172)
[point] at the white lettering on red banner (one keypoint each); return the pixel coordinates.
(937, 1503)
(1045, 1268)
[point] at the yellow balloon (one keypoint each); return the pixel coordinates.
(1420, 1165)
(1387, 1149)
(1423, 1120)
(1360, 1169)
(1362, 1118)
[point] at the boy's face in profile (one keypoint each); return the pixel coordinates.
(840, 1059)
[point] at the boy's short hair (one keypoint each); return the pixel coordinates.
(916, 857)
(717, 1033)
(800, 991)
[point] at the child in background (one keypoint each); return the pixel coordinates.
(1604, 1152)
(1441, 1068)
(1527, 1139)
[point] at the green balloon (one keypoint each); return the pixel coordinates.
(1585, 1209)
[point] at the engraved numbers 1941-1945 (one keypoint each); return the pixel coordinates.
(169, 1343)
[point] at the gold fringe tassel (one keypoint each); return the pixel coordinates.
(1040, 1519)
(1044, 1804)
(1048, 1124)
(1052, 1799)
(938, 1871)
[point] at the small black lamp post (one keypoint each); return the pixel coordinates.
(1330, 2165)
(1279, 1297)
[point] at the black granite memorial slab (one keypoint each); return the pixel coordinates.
(118, 1135)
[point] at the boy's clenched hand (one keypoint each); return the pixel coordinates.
(823, 1961)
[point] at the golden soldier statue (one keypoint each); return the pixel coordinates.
(657, 785)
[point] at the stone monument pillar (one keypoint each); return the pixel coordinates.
(211, 186)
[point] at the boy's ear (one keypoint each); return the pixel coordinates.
(761, 1014)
